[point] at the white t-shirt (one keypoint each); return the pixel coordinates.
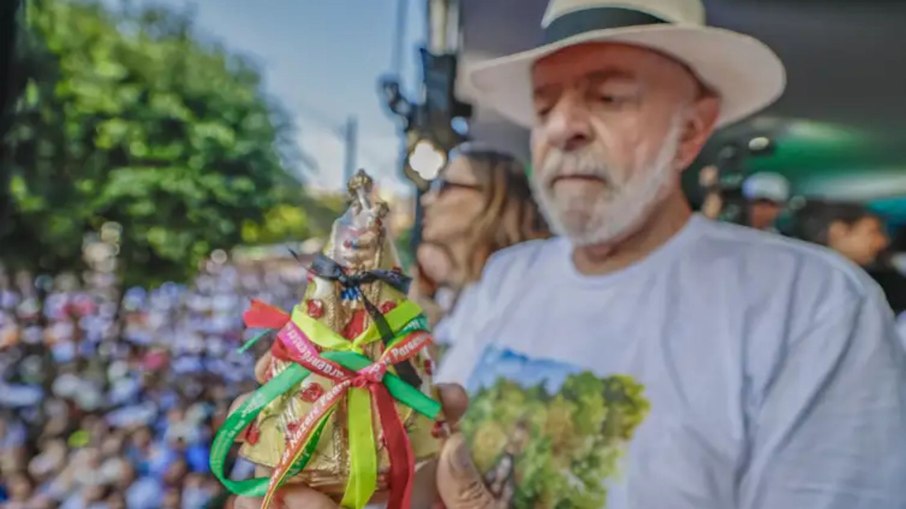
(729, 369)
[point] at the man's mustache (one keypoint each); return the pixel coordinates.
(560, 165)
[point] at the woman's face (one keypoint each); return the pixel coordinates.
(435, 262)
(454, 202)
(862, 242)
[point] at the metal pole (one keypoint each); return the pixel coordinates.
(452, 37)
(437, 25)
(350, 135)
(442, 38)
(417, 224)
(396, 57)
(443, 26)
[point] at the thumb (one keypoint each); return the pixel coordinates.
(294, 496)
(459, 483)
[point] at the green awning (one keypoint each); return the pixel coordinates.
(822, 161)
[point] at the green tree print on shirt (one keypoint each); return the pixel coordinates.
(542, 450)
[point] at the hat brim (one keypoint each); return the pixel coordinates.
(746, 74)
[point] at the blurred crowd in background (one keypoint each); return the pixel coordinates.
(110, 399)
(852, 229)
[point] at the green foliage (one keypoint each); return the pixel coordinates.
(128, 118)
(280, 223)
(322, 210)
(403, 244)
(573, 440)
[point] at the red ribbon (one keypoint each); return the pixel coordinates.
(294, 346)
(264, 316)
(399, 449)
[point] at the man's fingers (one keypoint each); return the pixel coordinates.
(261, 367)
(233, 406)
(455, 401)
(294, 496)
(291, 496)
(303, 497)
(247, 503)
(424, 486)
(458, 482)
(238, 401)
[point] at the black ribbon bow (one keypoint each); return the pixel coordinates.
(325, 267)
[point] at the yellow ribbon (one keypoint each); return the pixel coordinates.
(328, 339)
(363, 466)
(363, 461)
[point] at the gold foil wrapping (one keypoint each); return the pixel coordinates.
(328, 469)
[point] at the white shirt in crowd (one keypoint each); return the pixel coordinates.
(729, 369)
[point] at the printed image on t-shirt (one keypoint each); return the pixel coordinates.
(546, 434)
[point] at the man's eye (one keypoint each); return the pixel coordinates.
(609, 99)
(542, 112)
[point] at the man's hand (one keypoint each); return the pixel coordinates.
(291, 497)
(459, 483)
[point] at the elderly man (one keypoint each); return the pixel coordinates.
(651, 358)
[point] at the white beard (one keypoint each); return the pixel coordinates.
(615, 212)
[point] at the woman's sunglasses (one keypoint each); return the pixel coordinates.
(440, 186)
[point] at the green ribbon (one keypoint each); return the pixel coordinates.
(288, 380)
(258, 337)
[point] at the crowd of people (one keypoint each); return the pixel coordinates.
(110, 399)
(849, 228)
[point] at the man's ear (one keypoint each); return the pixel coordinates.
(697, 128)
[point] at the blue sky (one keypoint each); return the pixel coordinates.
(321, 59)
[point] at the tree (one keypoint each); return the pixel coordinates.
(127, 118)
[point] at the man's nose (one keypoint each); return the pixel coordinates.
(568, 125)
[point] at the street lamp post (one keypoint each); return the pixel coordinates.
(429, 126)
(437, 123)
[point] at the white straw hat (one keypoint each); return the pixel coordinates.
(746, 74)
